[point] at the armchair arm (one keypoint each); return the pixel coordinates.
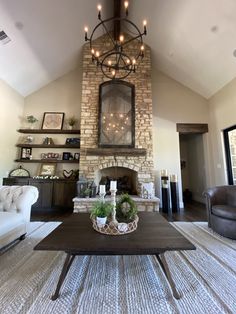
(215, 196)
(26, 199)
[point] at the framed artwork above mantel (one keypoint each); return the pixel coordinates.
(116, 114)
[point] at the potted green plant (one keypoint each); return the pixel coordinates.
(31, 119)
(72, 121)
(126, 209)
(101, 210)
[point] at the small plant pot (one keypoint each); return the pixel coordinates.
(101, 221)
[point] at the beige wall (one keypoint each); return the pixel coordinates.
(173, 103)
(222, 108)
(61, 95)
(11, 112)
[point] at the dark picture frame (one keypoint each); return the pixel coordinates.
(26, 152)
(53, 120)
(47, 169)
(66, 156)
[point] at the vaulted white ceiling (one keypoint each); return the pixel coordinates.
(192, 41)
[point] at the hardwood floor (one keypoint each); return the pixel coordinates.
(192, 212)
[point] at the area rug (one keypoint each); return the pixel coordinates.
(205, 278)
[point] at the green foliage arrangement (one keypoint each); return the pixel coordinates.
(126, 209)
(72, 121)
(101, 209)
(31, 119)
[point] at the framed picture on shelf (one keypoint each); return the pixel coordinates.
(76, 156)
(26, 152)
(47, 169)
(53, 120)
(67, 156)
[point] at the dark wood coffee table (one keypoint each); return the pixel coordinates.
(154, 236)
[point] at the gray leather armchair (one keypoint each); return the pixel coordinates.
(221, 210)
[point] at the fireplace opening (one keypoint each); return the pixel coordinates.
(125, 177)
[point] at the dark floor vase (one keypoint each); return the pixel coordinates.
(165, 194)
(174, 197)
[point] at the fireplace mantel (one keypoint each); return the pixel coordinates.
(115, 152)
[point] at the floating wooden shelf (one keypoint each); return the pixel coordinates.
(47, 161)
(75, 146)
(49, 131)
(116, 151)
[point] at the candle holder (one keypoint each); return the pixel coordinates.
(113, 221)
(102, 196)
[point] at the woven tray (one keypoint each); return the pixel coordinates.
(120, 229)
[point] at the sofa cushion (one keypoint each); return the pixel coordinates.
(224, 211)
(9, 221)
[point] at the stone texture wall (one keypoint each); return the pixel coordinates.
(92, 78)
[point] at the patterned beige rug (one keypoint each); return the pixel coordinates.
(206, 278)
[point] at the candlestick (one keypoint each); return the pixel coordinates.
(102, 192)
(113, 222)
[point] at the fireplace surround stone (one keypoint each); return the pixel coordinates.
(141, 163)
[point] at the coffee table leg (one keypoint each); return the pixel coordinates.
(165, 268)
(65, 269)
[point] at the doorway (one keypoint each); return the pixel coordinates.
(192, 160)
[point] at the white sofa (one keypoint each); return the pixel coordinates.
(15, 210)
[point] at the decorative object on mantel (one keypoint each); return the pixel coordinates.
(46, 177)
(48, 141)
(47, 169)
(72, 121)
(19, 172)
(115, 60)
(53, 120)
(68, 174)
(73, 141)
(31, 120)
(126, 211)
(86, 188)
(28, 139)
(147, 190)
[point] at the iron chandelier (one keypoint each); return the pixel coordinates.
(122, 49)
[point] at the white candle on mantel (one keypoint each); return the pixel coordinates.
(102, 189)
(113, 185)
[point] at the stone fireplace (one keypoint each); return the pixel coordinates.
(137, 161)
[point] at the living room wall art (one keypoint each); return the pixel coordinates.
(53, 120)
(47, 169)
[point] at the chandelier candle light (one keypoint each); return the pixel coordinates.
(117, 59)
